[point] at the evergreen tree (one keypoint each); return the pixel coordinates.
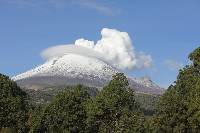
(13, 106)
(179, 108)
(65, 113)
(114, 109)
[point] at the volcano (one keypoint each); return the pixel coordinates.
(72, 69)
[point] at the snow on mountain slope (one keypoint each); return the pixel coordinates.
(72, 69)
(146, 81)
(71, 65)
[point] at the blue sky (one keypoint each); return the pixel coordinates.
(168, 30)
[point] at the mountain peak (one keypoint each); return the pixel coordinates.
(70, 65)
(72, 69)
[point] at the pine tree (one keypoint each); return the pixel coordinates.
(179, 108)
(114, 109)
(65, 113)
(13, 106)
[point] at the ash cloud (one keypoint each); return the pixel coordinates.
(114, 47)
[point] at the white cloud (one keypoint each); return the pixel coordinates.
(84, 43)
(93, 4)
(173, 65)
(144, 61)
(117, 47)
(61, 50)
(21, 3)
(114, 47)
(90, 4)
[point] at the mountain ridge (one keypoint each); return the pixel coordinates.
(72, 69)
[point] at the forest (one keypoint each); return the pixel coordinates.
(114, 109)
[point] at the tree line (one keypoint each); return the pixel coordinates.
(114, 109)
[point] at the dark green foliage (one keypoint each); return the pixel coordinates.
(73, 109)
(45, 95)
(114, 109)
(147, 102)
(13, 106)
(35, 117)
(179, 108)
(194, 57)
(65, 113)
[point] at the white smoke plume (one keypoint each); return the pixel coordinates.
(114, 47)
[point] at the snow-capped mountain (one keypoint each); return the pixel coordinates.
(72, 69)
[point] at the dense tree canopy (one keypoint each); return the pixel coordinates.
(65, 113)
(114, 109)
(179, 108)
(13, 105)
